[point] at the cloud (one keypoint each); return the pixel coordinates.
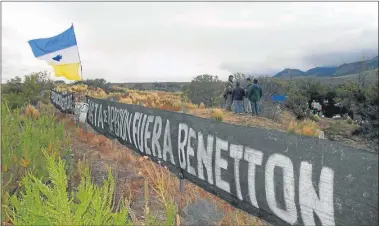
(175, 41)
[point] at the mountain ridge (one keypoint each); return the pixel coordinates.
(330, 71)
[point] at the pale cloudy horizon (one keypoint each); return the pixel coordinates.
(176, 41)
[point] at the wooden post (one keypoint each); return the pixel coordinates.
(181, 183)
(181, 190)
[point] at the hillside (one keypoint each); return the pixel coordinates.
(355, 67)
(288, 72)
(370, 75)
(321, 71)
(344, 69)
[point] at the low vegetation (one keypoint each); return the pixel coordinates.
(88, 205)
(217, 114)
(37, 147)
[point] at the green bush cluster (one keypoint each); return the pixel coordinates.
(20, 91)
(52, 204)
(36, 168)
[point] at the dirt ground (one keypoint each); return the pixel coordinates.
(104, 155)
(132, 173)
(245, 119)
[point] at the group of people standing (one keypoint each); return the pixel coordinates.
(244, 99)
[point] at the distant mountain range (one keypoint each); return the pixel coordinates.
(344, 69)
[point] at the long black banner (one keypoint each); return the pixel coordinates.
(63, 102)
(283, 178)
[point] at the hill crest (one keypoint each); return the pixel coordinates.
(330, 71)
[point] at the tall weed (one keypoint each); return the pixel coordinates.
(52, 204)
(24, 133)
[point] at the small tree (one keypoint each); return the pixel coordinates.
(14, 85)
(204, 88)
(34, 84)
(297, 102)
(18, 93)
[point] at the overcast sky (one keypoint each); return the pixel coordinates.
(142, 42)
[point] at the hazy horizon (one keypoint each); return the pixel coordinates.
(176, 41)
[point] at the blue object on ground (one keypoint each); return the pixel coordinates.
(278, 98)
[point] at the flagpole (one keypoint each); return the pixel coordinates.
(81, 69)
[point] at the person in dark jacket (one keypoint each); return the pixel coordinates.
(228, 93)
(255, 94)
(237, 96)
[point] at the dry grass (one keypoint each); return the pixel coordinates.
(190, 106)
(31, 111)
(166, 187)
(306, 128)
(244, 120)
(162, 182)
(217, 114)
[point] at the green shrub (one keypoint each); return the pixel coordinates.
(297, 103)
(22, 139)
(315, 118)
(52, 204)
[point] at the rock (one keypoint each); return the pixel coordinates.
(201, 213)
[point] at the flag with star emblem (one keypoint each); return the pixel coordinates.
(61, 52)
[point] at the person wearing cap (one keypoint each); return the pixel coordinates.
(255, 94)
(246, 101)
(228, 93)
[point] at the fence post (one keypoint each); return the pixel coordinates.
(77, 117)
(85, 121)
(322, 135)
(178, 199)
(181, 182)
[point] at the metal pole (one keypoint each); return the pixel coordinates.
(81, 69)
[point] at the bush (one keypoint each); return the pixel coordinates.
(313, 117)
(297, 104)
(24, 133)
(190, 105)
(31, 111)
(14, 100)
(31, 91)
(89, 205)
(217, 114)
(205, 89)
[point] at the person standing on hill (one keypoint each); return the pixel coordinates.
(228, 93)
(247, 104)
(255, 94)
(238, 94)
(313, 106)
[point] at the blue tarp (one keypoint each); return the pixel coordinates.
(278, 98)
